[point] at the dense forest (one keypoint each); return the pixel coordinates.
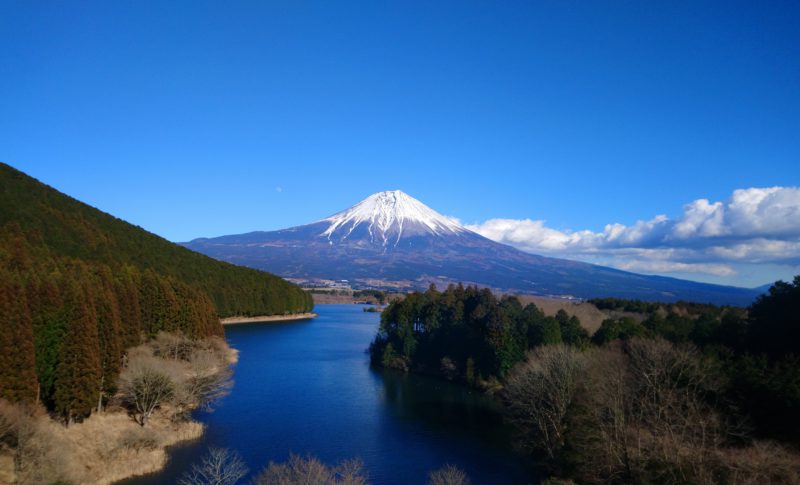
(78, 287)
(71, 228)
(466, 331)
(667, 393)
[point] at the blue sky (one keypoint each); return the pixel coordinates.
(207, 118)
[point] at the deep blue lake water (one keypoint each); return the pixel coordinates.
(307, 388)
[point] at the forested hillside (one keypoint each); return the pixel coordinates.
(661, 393)
(78, 286)
(71, 228)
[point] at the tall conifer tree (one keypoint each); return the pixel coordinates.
(18, 381)
(108, 329)
(79, 369)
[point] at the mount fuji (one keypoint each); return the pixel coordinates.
(391, 240)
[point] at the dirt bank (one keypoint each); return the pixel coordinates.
(268, 318)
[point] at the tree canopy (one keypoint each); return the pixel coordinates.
(466, 331)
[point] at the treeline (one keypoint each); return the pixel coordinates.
(378, 295)
(78, 286)
(639, 306)
(759, 348)
(71, 228)
(699, 323)
(669, 394)
(466, 333)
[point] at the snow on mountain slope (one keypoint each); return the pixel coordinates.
(391, 240)
(388, 216)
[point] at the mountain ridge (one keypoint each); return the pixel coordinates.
(408, 253)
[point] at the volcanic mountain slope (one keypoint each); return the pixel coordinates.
(392, 240)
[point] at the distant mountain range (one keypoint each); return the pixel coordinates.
(391, 240)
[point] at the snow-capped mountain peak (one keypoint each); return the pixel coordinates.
(388, 216)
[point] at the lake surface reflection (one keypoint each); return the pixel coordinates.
(307, 388)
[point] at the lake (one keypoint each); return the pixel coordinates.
(307, 388)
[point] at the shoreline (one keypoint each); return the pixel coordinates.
(268, 318)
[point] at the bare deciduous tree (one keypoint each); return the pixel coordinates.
(540, 391)
(311, 471)
(219, 466)
(449, 475)
(9, 416)
(207, 378)
(173, 346)
(646, 414)
(144, 386)
(39, 456)
(351, 472)
(175, 369)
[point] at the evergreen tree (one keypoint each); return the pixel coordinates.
(109, 334)
(79, 367)
(49, 327)
(18, 381)
(775, 320)
(126, 288)
(468, 326)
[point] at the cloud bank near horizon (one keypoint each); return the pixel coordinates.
(754, 226)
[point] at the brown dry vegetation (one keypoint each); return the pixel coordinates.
(219, 466)
(102, 449)
(646, 411)
(589, 315)
(323, 296)
(311, 471)
(449, 475)
(117, 443)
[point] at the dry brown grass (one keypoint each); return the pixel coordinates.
(759, 463)
(105, 448)
(6, 468)
(125, 449)
(589, 315)
(110, 446)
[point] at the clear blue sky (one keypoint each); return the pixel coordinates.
(187, 117)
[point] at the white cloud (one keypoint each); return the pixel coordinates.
(674, 267)
(754, 226)
(700, 218)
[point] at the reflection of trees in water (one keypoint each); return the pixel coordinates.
(445, 406)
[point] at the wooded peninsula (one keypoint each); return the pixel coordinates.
(669, 393)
